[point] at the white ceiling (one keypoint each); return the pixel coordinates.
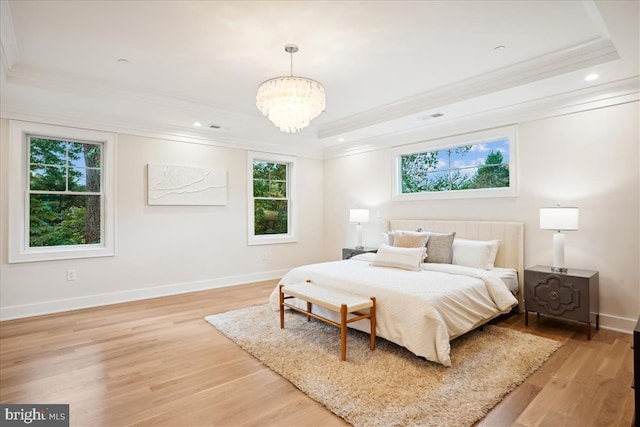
(387, 66)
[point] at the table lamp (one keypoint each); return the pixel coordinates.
(559, 219)
(359, 216)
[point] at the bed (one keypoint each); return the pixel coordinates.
(424, 309)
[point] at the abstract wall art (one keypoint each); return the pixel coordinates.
(186, 185)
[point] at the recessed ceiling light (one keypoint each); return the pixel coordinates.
(500, 47)
(437, 115)
(590, 77)
(123, 61)
(214, 127)
(197, 124)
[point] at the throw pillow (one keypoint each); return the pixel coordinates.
(439, 247)
(396, 257)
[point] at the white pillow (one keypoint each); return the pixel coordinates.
(405, 258)
(475, 253)
(388, 238)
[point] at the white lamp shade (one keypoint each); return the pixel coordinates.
(559, 218)
(359, 215)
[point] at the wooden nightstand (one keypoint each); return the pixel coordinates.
(572, 295)
(349, 252)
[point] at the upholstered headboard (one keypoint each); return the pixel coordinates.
(510, 234)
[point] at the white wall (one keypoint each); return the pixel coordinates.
(587, 159)
(163, 249)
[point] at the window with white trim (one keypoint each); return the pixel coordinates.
(62, 193)
(482, 164)
(271, 190)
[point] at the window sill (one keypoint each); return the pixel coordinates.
(459, 194)
(271, 240)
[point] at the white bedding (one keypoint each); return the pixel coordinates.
(509, 276)
(420, 310)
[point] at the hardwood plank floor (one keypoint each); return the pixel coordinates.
(157, 362)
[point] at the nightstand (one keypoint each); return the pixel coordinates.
(349, 252)
(572, 295)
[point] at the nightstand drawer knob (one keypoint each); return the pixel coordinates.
(553, 295)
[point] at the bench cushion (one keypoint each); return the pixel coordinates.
(327, 298)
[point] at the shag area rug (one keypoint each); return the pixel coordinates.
(389, 386)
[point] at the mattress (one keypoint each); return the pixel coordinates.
(420, 310)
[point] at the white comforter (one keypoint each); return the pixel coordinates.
(421, 311)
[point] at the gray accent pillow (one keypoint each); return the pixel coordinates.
(439, 247)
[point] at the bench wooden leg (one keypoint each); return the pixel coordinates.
(343, 332)
(309, 308)
(373, 324)
(281, 308)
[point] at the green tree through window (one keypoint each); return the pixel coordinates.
(65, 195)
(464, 167)
(271, 202)
(493, 174)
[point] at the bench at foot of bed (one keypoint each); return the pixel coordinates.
(333, 300)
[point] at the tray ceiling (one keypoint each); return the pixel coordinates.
(387, 66)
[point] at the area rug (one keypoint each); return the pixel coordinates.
(389, 386)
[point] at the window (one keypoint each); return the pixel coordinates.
(478, 165)
(271, 199)
(64, 192)
(62, 202)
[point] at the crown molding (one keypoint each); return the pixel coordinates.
(98, 90)
(217, 138)
(586, 54)
(9, 55)
(594, 14)
(250, 128)
(601, 96)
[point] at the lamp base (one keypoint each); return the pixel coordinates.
(558, 253)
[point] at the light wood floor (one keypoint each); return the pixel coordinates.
(157, 362)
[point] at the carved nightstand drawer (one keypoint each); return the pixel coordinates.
(558, 295)
(572, 295)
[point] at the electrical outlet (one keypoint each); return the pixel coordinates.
(71, 275)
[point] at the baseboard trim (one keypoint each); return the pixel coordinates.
(62, 305)
(607, 321)
(618, 324)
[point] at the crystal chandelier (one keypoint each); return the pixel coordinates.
(291, 102)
